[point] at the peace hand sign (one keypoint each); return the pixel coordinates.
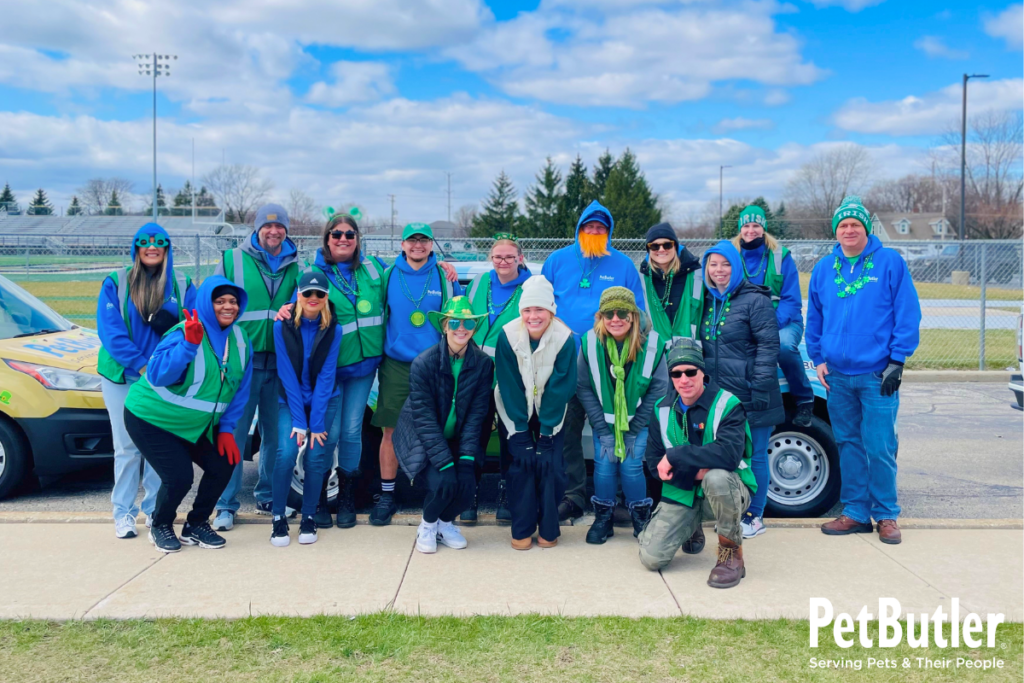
(193, 328)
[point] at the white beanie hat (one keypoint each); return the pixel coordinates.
(537, 291)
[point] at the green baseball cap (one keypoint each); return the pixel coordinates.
(417, 229)
(457, 307)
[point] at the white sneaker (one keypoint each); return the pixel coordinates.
(450, 535)
(426, 538)
(125, 527)
(752, 526)
(149, 521)
(224, 521)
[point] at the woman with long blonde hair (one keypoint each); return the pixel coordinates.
(620, 374)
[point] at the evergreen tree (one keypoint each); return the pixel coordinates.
(161, 203)
(500, 212)
(183, 201)
(629, 198)
(579, 192)
(781, 228)
(7, 200)
(114, 206)
(40, 205)
(778, 226)
(605, 164)
(206, 205)
(75, 209)
(544, 202)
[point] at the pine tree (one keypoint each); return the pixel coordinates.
(206, 205)
(629, 198)
(75, 209)
(605, 164)
(183, 201)
(161, 203)
(778, 226)
(500, 212)
(579, 192)
(7, 200)
(781, 228)
(544, 202)
(40, 205)
(114, 206)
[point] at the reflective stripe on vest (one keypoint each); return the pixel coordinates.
(188, 400)
(777, 261)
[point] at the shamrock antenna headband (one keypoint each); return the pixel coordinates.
(330, 213)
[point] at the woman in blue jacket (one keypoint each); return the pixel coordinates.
(307, 357)
(137, 305)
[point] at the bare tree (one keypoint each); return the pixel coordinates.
(820, 185)
(95, 194)
(239, 188)
(303, 213)
(911, 193)
(463, 218)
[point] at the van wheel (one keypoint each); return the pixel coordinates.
(803, 470)
(14, 458)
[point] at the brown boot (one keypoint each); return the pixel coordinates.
(695, 543)
(545, 543)
(522, 543)
(843, 525)
(729, 570)
(889, 532)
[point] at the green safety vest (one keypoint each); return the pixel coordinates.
(672, 435)
(636, 382)
(261, 309)
(107, 366)
(486, 335)
(447, 291)
(361, 324)
(687, 317)
(193, 407)
(773, 273)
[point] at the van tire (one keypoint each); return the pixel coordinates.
(15, 457)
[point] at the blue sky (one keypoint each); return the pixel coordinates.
(350, 102)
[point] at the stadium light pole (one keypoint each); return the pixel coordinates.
(720, 169)
(963, 155)
(155, 65)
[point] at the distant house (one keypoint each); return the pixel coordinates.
(911, 226)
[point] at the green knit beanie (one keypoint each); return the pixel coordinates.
(851, 208)
(685, 351)
(618, 299)
(752, 214)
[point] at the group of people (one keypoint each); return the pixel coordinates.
(673, 364)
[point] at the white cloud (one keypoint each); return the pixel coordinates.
(776, 97)
(354, 82)
(931, 113)
(650, 54)
(1008, 25)
(934, 46)
(740, 123)
(848, 5)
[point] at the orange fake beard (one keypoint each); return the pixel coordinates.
(593, 246)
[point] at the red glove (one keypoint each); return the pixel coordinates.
(227, 447)
(193, 328)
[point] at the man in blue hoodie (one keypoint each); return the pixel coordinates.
(863, 321)
(415, 285)
(579, 274)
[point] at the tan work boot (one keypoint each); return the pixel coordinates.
(522, 543)
(842, 525)
(545, 543)
(729, 570)
(889, 532)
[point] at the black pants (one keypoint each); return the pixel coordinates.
(446, 509)
(575, 465)
(172, 458)
(532, 499)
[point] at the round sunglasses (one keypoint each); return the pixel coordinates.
(455, 323)
(348, 234)
(622, 315)
(145, 241)
(677, 374)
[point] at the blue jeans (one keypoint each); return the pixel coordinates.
(128, 462)
(345, 432)
(608, 470)
(864, 424)
(759, 465)
(314, 463)
(265, 394)
(792, 364)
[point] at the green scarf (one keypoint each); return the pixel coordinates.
(618, 369)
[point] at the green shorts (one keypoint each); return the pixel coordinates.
(392, 390)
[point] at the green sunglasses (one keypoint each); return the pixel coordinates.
(144, 241)
(455, 323)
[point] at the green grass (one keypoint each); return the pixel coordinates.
(958, 350)
(938, 290)
(389, 647)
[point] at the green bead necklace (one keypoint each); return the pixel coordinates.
(713, 324)
(851, 288)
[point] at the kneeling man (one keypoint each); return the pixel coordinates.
(700, 446)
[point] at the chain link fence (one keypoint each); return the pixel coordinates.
(970, 292)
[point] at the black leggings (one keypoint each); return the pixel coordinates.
(445, 509)
(504, 458)
(172, 458)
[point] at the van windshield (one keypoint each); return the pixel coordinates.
(23, 315)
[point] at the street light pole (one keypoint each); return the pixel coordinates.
(963, 157)
(720, 169)
(159, 66)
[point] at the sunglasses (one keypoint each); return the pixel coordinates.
(622, 315)
(145, 241)
(454, 324)
(660, 246)
(313, 294)
(348, 234)
(677, 374)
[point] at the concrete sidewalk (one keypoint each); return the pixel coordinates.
(76, 571)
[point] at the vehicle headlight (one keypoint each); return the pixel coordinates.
(57, 378)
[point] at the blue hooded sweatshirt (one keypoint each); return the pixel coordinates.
(566, 267)
(790, 299)
(724, 248)
(133, 351)
(173, 354)
(299, 390)
(859, 334)
(501, 293)
(273, 262)
(402, 340)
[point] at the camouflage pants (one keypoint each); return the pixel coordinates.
(725, 500)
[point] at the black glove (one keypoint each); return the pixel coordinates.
(760, 400)
(448, 487)
(524, 452)
(545, 455)
(466, 474)
(892, 377)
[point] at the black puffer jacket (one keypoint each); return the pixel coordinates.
(419, 435)
(744, 357)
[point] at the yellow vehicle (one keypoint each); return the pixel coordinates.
(52, 417)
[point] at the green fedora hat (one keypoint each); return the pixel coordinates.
(457, 307)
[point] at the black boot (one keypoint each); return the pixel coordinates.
(602, 528)
(346, 504)
(503, 515)
(468, 516)
(695, 543)
(640, 514)
(804, 413)
(322, 518)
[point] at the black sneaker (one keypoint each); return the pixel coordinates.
(804, 413)
(568, 510)
(263, 508)
(307, 530)
(201, 535)
(279, 537)
(502, 515)
(384, 508)
(164, 539)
